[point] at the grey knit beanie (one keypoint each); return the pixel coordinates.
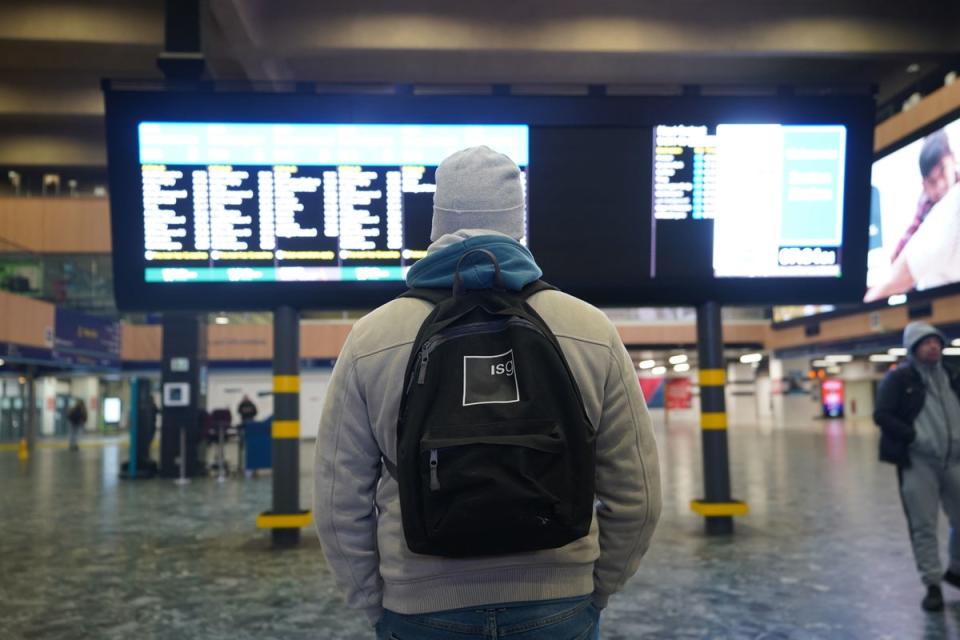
(478, 188)
(916, 331)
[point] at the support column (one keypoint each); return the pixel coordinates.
(182, 58)
(142, 427)
(31, 422)
(286, 518)
(717, 506)
(184, 358)
(28, 434)
(134, 423)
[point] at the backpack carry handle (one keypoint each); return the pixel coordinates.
(458, 286)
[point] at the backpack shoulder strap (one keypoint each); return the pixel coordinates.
(390, 468)
(436, 296)
(433, 296)
(536, 287)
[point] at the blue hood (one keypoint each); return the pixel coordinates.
(517, 265)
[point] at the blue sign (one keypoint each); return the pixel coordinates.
(86, 340)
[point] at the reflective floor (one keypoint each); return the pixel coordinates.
(823, 553)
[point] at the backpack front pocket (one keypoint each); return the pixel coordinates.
(487, 486)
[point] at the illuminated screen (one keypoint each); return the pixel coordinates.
(245, 202)
(112, 410)
(748, 200)
(256, 200)
(785, 313)
(915, 217)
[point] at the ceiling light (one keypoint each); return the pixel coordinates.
(222, 320)
(900, 298)
(819, 364)
(647, 364)
(956, 342)
(658, 371)
(678, 359)
(839, 358)
(951, 351)
(750, 358)
(897, 351)
(681, 368)
(883, 357)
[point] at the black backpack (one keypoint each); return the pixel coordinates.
(495, 453)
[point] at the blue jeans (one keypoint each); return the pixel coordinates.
(565, 619)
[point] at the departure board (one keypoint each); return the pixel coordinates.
(226, 199)
(766, 200)
(256, 202)
(685, 173)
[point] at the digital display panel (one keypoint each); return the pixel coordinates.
(112, 410)
(759, 200)
(914, 242)
(255, 200)
(258, 202)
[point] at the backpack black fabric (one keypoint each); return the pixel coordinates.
(495, 453)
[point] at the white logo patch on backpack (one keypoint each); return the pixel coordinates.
(490, 379)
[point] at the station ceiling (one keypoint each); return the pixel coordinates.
(53, 53)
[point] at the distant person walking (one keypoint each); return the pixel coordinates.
(918, 412)
(77, 418)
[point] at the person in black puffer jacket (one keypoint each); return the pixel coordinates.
(918, 412)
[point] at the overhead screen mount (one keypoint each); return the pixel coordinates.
(250, 201)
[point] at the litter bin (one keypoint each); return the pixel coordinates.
(257, 443)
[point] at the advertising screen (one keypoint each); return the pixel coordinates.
(112, 410)
(831, 394)
(915, 217)
(679, 393)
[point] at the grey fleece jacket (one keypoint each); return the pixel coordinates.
(357, 507)
(938, 423)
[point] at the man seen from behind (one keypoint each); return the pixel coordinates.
(555, 593)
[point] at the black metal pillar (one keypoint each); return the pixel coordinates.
(286, 518)
(30, 419)
(182, 58)
(184, 360)
(717, 506)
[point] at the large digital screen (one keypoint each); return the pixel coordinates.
(915, 217)
(225, 201)
(259, 202)
(765, 200)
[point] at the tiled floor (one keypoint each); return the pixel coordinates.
(823, 554)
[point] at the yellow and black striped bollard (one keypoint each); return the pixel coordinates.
(286, 519)
(717, 506)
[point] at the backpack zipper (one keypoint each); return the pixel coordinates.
(424, 359)
(457, 332)
(547, 443)
(434, 476)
